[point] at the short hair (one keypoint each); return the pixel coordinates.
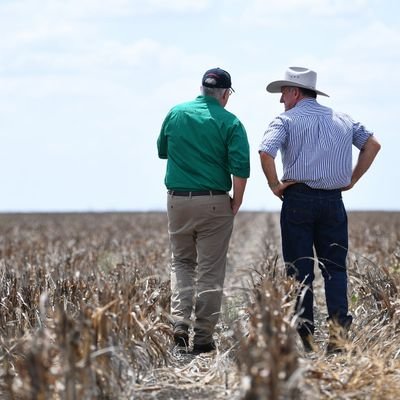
(308, 92)
(213, 92)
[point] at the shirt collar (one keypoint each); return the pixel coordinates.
(306, 101)
(207, 99)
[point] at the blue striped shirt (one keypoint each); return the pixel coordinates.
(315, 144)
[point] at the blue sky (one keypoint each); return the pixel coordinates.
(85, 86)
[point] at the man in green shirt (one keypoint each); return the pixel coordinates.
(206, 148)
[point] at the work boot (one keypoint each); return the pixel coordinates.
(181, 337)
(203, 348)
(308, 343)
(337, 338)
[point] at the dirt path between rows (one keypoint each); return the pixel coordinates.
(253, 235)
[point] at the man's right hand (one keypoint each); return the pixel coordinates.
(279, 189)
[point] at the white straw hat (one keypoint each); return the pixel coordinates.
(297, 77)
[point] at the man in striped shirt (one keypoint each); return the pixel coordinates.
(316, 149)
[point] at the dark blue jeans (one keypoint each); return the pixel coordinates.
(314, 219)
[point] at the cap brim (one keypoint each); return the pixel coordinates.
(276, 86)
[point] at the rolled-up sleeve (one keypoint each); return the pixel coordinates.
(360, 135)
(274, 137)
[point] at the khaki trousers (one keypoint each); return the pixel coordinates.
(199, 228)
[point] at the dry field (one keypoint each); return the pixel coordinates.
(84, 314)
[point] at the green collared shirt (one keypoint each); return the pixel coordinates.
(204, 144)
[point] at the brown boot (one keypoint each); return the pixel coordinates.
(308, 343)
(337, 338)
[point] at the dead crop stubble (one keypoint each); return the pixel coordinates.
(84, 314)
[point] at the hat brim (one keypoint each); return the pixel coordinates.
(276, 86)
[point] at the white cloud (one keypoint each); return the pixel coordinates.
(376, 41)
(70, 35)
(66, 23)
(266, 13)
(174, 5)
(99, 8)
(368, 58)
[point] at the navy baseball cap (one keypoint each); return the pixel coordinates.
(217, 78)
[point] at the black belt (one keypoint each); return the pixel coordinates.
(196, 193)
(303, 188)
